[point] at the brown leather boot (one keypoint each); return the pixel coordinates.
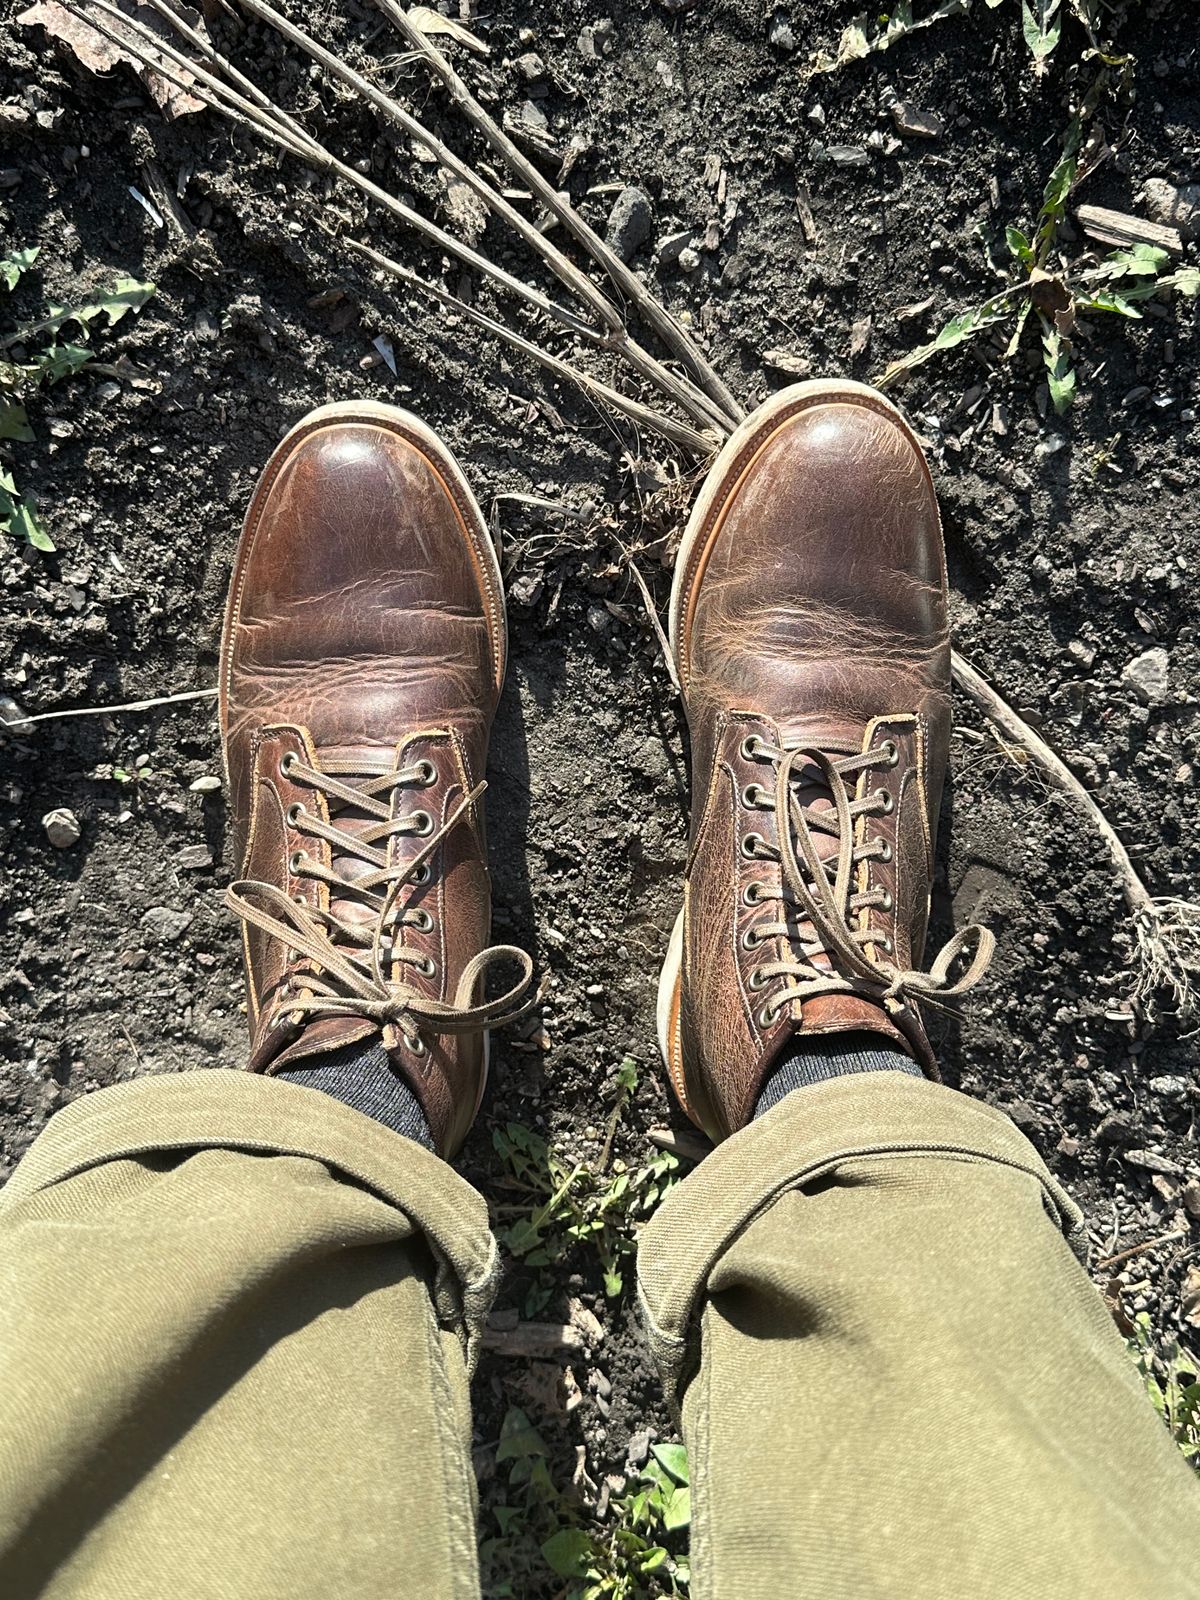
(808, 622)
(361, 663)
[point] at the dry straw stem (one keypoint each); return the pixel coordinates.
(654, 314)
(18, 725)
(237, 106)
(261, 116)
(698, 443)
(682, 391)
(1167, 930)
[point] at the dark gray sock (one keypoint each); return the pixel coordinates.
(819, 1058)
(361, 1075)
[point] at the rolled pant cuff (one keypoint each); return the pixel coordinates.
(804, 1138)
(217, 1108)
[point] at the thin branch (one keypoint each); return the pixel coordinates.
(317, 155)
(693, 400)
(700, 444)
(1166, 930)
(202, 43)
(655, 315)
(107, 711)
(1139, 1250)
(1137, 897)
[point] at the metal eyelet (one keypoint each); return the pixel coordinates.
(294, 814)
(286, 763)
(890, 751)
(750, 747)
(752, 894)
(296, 860)
(885, 944)
(428, 774)
(748, 844)
(756, 981)
(886, 801)
(767, 1016)
(750, 939)
(417, 1046)
(425, 967)
(422, 921)
(885, 855)
(887, 902)
(423, 873)
(423, 823)
(750, 795)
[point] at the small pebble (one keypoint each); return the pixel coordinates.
(1149, 676)
(206, 785)
(630, 222)
(62, 828)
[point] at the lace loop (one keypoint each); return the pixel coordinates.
(822, 892)
(341, 982)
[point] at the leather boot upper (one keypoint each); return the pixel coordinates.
(811, 639)
(361, 663)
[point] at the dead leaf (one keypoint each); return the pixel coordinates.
(860, 336)
(1048, 291)
(100, 54)
(788, 361)
(432, 22)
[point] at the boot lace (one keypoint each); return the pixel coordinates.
(829, 951)
(349, 956)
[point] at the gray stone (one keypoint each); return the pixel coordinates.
(1171, 1088)
(780, 34)
(671, 246)
(12, 716)
(165, 924)
(1149, 676)
(194, 857)
(62, 828)
(1175, 206)
(912, 123)
(630, 222)
(848, 155)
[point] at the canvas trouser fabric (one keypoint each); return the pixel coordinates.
(896, 1380)
(237, 1322)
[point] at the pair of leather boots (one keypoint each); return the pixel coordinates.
(362, 661)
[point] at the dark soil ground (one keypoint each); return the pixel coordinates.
(1073, 546)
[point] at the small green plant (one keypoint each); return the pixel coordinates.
(576, 1204)
(1057, 295)
(620, 1561)
(531, 1510)
(1172, 1379)
(1041, 25)
(633, 1555)
(42, 361)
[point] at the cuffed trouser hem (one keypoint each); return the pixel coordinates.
(236, 1319)
(894, 1378)
(807, 1136)
(230, 1110)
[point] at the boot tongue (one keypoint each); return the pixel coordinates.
(351, 763)
(832, 739)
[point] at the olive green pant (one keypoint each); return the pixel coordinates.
(237, 1321)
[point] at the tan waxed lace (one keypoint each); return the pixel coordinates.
(350, 956)
(823, 893)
